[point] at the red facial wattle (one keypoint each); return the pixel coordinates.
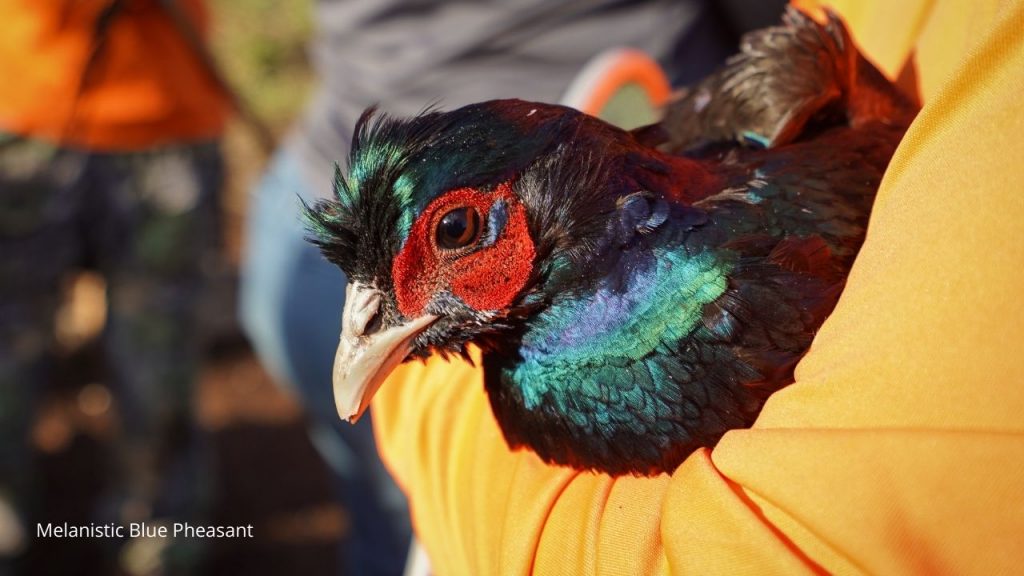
(484, 277)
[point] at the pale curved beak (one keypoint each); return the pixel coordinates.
(364, 360)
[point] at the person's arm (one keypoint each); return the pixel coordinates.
(899, 449)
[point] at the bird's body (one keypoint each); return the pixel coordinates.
(638, 294)
(689, 326)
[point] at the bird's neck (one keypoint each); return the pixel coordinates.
(575, 370)
(635, 310)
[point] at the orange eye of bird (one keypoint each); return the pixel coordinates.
(458, 228)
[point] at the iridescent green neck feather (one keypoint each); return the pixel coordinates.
(603, 367)
(605, 331)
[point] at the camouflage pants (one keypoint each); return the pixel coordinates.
(145, 221)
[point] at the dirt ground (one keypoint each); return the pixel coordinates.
(269, 475)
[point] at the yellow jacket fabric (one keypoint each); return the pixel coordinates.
(899, 449)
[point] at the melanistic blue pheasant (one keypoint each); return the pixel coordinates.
(635, 294)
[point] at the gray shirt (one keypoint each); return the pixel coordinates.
(407, 54)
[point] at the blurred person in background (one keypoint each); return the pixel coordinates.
(404, 56)
(109, 159)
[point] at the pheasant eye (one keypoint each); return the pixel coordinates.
(458, 228)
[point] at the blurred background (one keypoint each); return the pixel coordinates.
(270, 457)
(269, 474)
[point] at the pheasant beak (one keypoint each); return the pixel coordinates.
(364, 357)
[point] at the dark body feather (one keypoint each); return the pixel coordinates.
(783, 227)
(679, 272)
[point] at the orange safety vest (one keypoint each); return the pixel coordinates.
(899, 449)
(146, 87)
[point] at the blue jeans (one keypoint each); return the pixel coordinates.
(291, 303)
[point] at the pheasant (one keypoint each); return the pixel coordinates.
(635, 294)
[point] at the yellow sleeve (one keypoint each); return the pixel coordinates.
(899, 449)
